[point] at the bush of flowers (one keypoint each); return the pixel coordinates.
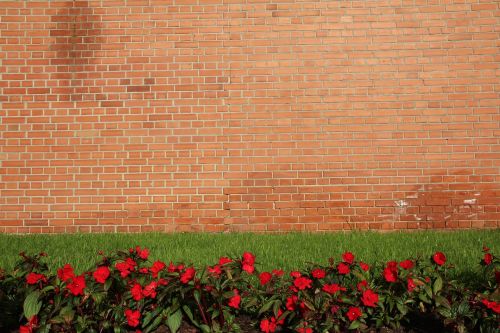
(127, 292)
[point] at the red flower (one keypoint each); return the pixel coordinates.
(65, 273)
(343, 268)
(392, 265)
(77, 285)
(268, 326)
(492, 305)
(439, 258)
(282, 320)
(157, 267)
(234, 301)
(304, 330)
(390, 275)
(172, 268)
(353, 313)
(248, 262)
(136, 292)
(101, 274)
(318, 273)
(131, 263)
(302, 283)
(224, 260)
(278, 272)
(33, 278)
(391, 271)
(369, 298)
(126, 267)
(150, 290)
(348, 257)
(364, 266)
(410, 285)
(406, 264)
(216, 271)
(362, 285)
(488, 258)
(123, 268)
(291, 302)
(32, 323)
(132, 317)
(295, 274)
(188, 275)
(143, 254)
(332, 288)
(264, 278)
(27, 329)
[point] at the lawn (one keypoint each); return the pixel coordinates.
(286, 251)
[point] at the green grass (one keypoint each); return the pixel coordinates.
(286, 251)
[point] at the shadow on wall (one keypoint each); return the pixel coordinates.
(76, 40)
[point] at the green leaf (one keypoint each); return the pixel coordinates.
(67, 313)
(46, 289)
(188, 313)
(402, 308)
(444, 312)
(215, 314)
(266, 307)
(438, 285)
(442, 301)
(31, 305)
(196, 295)
(423, 298)
(154, 325)
(205, 329)
(174, 321)
(428, 290)
(98, 297)
(147, 318)
(276, 307)
(107, 284)
(44, 329)
(251, 302)
(355, 324)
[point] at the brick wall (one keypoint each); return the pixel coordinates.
(249, 115)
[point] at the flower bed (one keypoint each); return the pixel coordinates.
(126, 292)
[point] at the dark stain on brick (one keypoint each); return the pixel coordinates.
(111, 103)
(138, 88)
(76, 38)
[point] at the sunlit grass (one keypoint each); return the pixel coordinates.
(286, 251)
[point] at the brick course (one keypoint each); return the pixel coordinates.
(255, 115)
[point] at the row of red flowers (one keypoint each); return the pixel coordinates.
(125, 291)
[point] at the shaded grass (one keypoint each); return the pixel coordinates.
(286, 251)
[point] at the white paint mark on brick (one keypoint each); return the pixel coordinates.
(401, 203)
(470, 201)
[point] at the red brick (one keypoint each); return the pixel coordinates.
(298, 117)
